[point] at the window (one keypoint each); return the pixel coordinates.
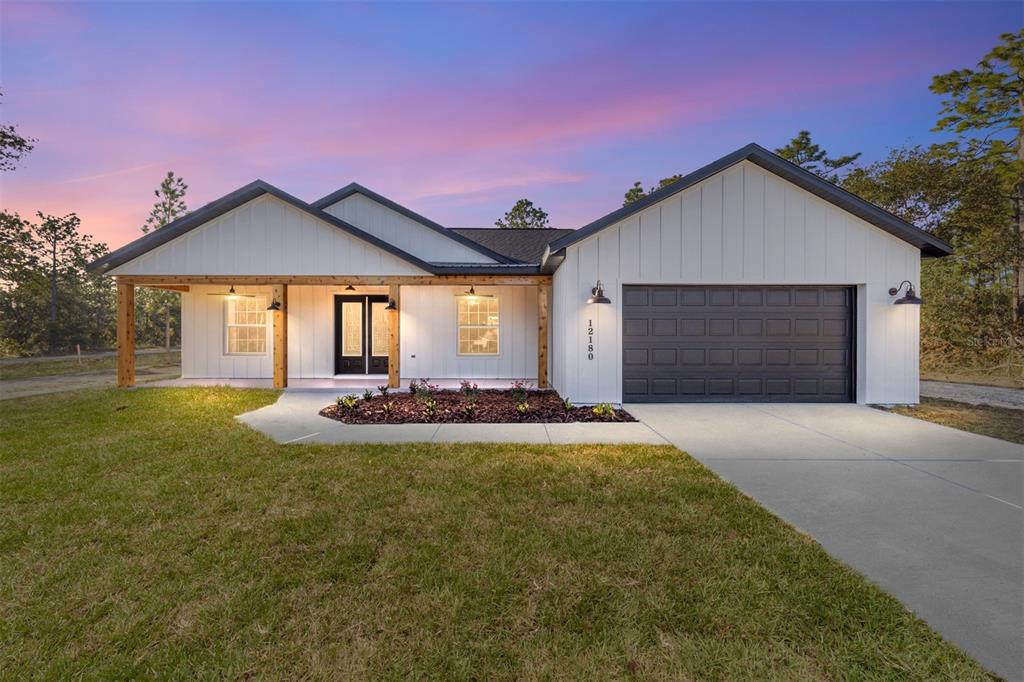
(380, 320)
(246, 325)
(478, 325)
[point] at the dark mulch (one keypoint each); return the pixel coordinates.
(492, 407)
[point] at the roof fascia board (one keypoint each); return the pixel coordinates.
(229, 202)
(356, 188)
(929, 244)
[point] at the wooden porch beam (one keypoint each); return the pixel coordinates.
(331, 280)
(543, 315)
(184, 288)
(395, 338)
(125, 334)
(280, 316)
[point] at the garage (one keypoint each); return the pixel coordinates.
(737, 343)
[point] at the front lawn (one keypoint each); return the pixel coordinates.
(998, 422)
(147, 534)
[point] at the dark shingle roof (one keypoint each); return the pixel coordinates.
(526, 246)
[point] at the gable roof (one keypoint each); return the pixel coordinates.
(355, 188)
(231, 201)
(929, 244)
(525, 246)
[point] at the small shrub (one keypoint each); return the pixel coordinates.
(368, 394)
(383, 390)
(425, 389)
(429, 409)
(469, 389)
(469, 409)
(604, 411)
(386, 409)
(413, 386)
(349, 402)
(522, 408)
(567, 404)
(519, 389)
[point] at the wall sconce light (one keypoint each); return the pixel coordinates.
(350, 288)
(597, 294)
(391, 305)
(274, 305)
(910, 297)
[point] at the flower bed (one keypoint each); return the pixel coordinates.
(425, 404)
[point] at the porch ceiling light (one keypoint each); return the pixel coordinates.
(232, 294)
(910, 297)
(597, 294)
(391, 305)
(472, 294)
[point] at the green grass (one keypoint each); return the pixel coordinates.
(64, 367)
(998, 422)
(148, 534)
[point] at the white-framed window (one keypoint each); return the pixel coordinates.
(478, 322)
(245, 325)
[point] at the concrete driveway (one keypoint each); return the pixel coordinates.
(931, 514)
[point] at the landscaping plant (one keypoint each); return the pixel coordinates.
(519, 389)
(368, 394)
(604, 411)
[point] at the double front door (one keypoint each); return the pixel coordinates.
(361, 329)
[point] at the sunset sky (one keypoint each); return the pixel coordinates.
(455, 110)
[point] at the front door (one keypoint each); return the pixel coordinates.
(361, 328)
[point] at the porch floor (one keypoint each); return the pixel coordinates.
(358, 382)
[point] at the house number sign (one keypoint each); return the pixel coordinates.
(590, 339)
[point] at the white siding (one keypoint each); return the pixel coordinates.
(405, 233)
(429, 333)
(202, 338)
(427, 327)
(741, 226)
(267, 236)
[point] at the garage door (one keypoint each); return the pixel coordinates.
(737, 344)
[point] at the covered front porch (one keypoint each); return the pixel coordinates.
(301, 318)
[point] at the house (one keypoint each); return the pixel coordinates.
(750, 279)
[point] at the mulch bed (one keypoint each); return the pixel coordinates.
(492, 407)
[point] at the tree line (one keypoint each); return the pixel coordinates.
(968, 191)
(49, 303)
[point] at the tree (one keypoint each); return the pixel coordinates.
(524, 216)
(802, 151)
(967, 318)
(157, 308)
(13, 146)
(170, 204)
(636, 192)
(985, 108)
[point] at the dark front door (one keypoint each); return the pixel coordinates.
(361, 328)
(737, 344)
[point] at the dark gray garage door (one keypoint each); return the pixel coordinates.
(737, 344)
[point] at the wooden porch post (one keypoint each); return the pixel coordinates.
(543, 313)
(125, 335)
(394, 339)
(280, 294)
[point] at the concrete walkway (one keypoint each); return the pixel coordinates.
(294, 419)
(974, 394)
(931, 514)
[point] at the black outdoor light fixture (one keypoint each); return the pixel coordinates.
(910, 297)
(391, 305)
(597, 294)
(274, 305)
(350, 288)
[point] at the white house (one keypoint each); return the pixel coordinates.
(750, 279)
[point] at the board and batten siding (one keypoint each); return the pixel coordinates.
(203, 343)
(267, 236)
(402, 231)
(428, 333)
(743, 225)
